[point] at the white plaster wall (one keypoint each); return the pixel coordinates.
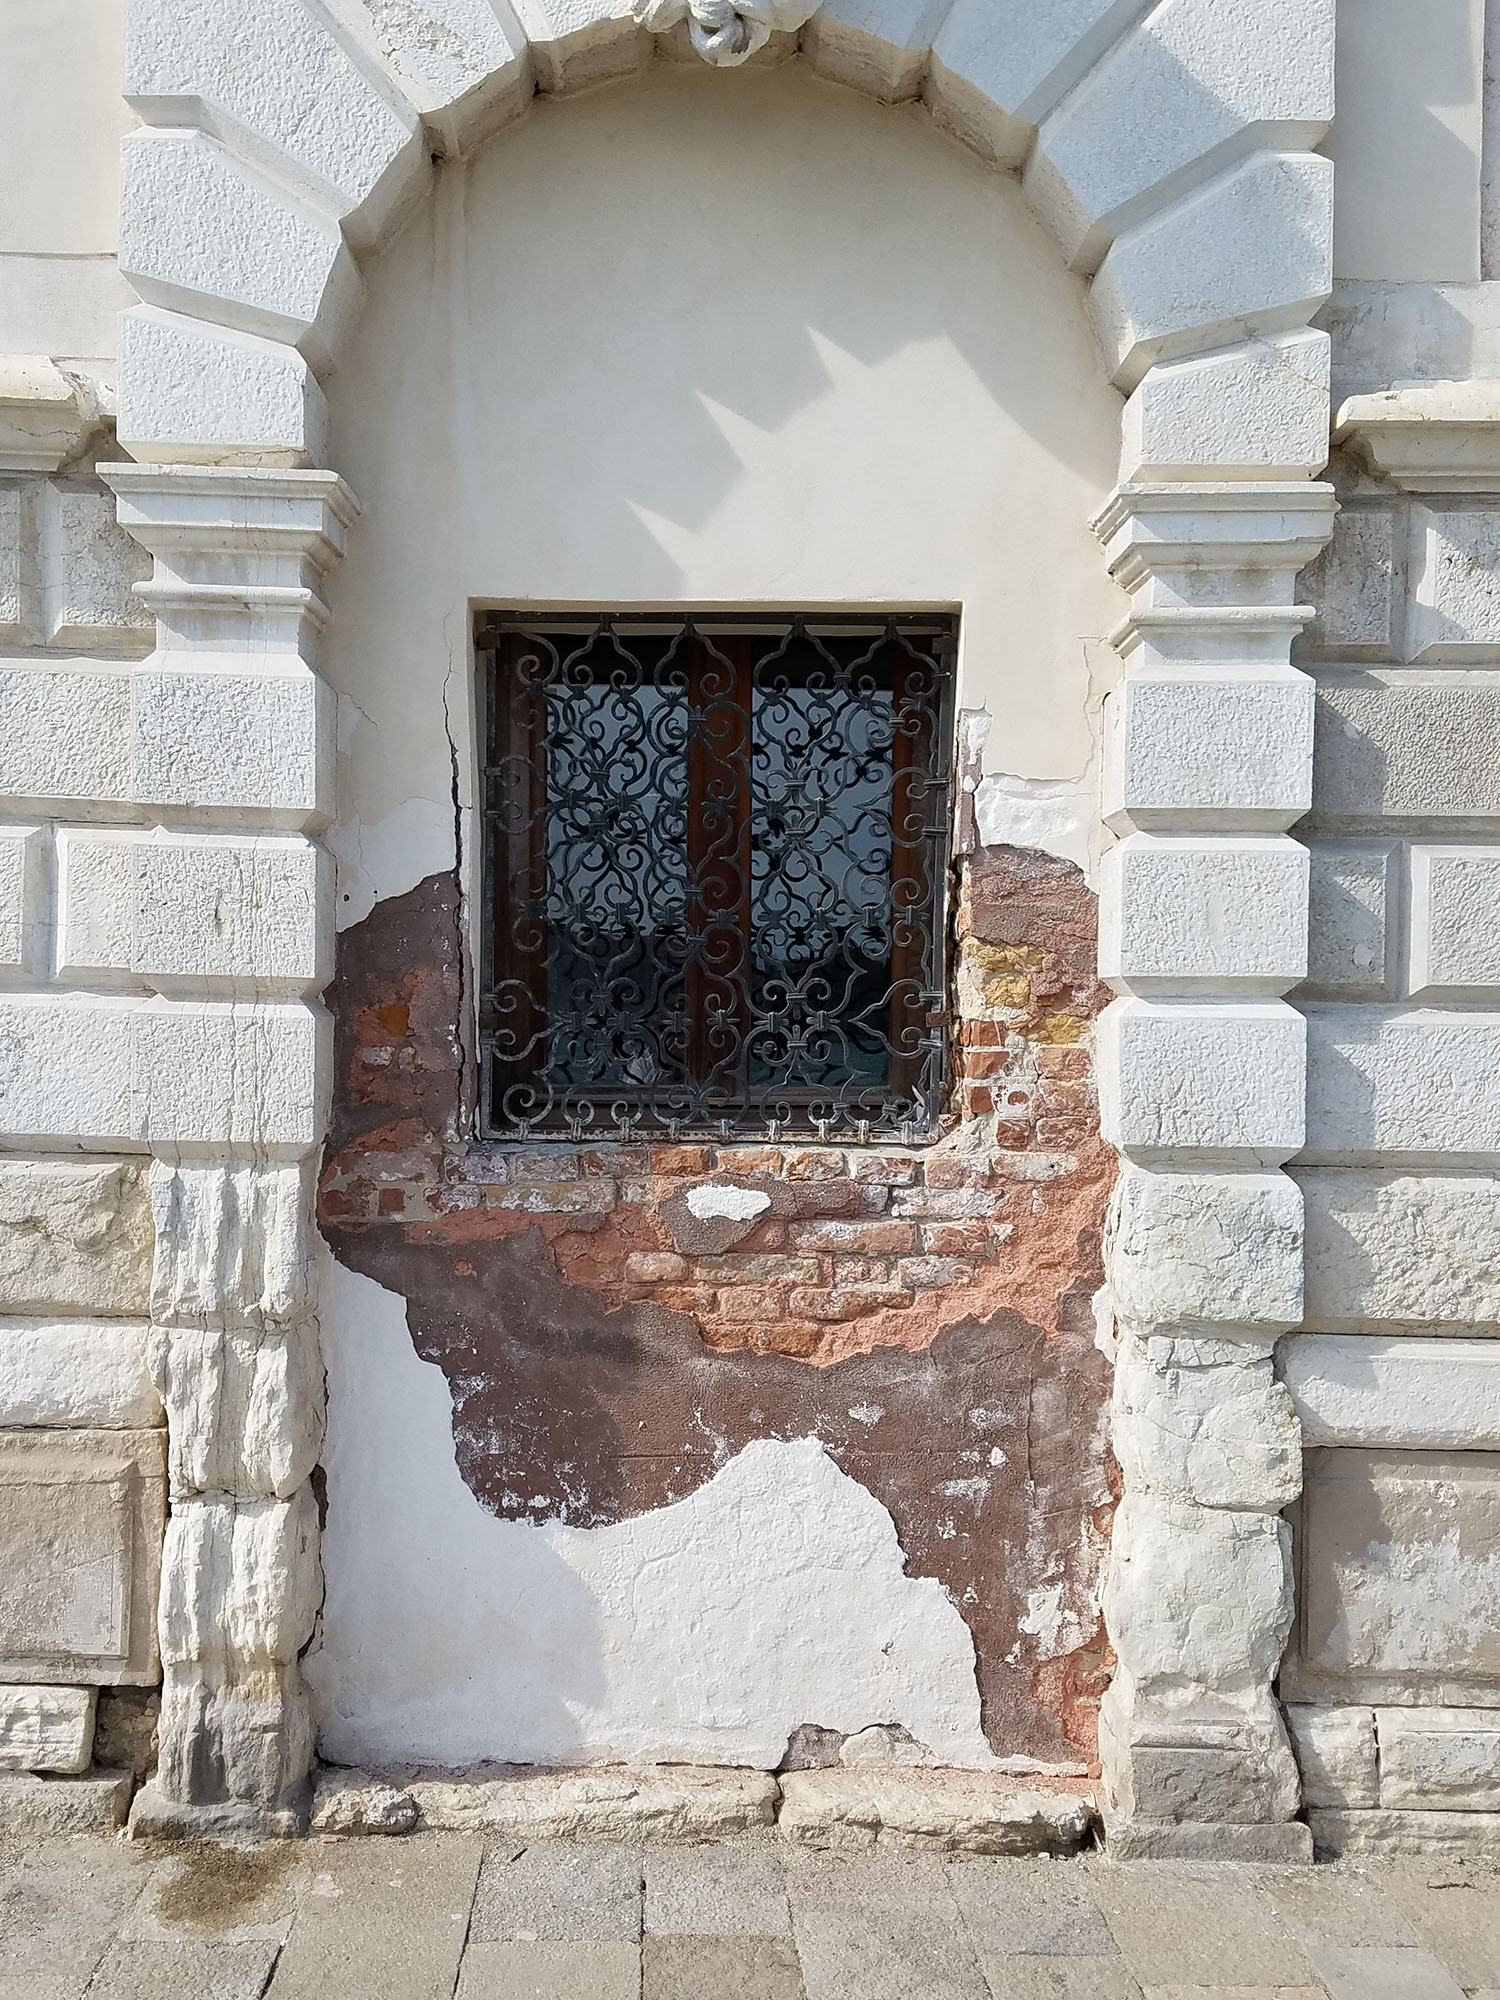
(1406, 140)
(61, 121)
(702, 1632)
(712, 338)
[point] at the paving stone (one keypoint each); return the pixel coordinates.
(1053, 1978)
(1335, 1906)
(720, 1968)
(886, 1952)
(1381, 1974)
(552, 1892)
(716, 1892)
(854, 1881)
(1233, 1993)
(1453, 1910)
(381, 1917)
(61, 1902)
(549, 1969)
(1196, 1924)
(190, 1969)
(1031, 1908)
(220, 1894)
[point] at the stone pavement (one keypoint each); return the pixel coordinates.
(435, 1916)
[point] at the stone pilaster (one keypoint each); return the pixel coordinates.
(232, 751)
(1202, 1075)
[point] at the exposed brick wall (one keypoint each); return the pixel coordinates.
(970, 1262)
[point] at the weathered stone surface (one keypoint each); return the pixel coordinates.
(947, 1811)
(155, 1816)
(1455, 922)
(1350, 931)
(349, 1801)
(1445, 1759)
(125, 1723)
(95, 1803)
(231, 1248)
(1198, 1593)
(46, 1728)
(1335, 1751)
(245, 1407)
(1201, 1251)
(1190, 1783)
(1204, 1421)
(672, 1802)
(1418, 1394)
(1399, 1560)
(74, 1237)
(69, 1373)
(235, 1739)
(1343, 1835)
(575, 1893)
(1353, 585)
(1210, 1840)
(1393, 1249)
(240, 1580)
(82, 1515)
(1405, 744)
(1391, 1088)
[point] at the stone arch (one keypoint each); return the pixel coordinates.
(1167, 145)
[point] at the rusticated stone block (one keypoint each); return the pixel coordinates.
(75, 1237)
(1211, 1428)
(1399, 1559)
(1440, 1759)
(1335, 1751)
(46, 1728)
(230, 1244)
(1392, 1249)
(73, 1374)
(82, 1515)
(245, 1407)
(1352, 584)
(1350, 933)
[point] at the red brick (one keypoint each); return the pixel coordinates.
(858, 1237)
(861, 1271)
(747, 1160)
(392, 1201)
(979, 1100)
(820, 1164)
(656, 1267)
(931, 1274)
(852, 1302)
(615, 1160)
(981, 1034)
(681, 1160)
(950, 1204)
(752, 1302)
(759, 1270)
(963, 1239)
(556, 1198)
(981, 1065)
(891, 1169)
(543, 1163)
(957, 1170)
(687, 1298)
(797, 1338)
(842, 1197)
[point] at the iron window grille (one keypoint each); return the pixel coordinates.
(715, 856)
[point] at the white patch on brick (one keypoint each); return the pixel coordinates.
(645, 1641)
(730, 1203)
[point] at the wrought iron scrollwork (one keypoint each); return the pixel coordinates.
(716, 855)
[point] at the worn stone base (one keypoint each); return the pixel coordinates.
(96, 1802)
(944, 1810)
(950, 1811)
(669, 1802)
(153, 1817)
(1339, 1833)
(1197, 1840)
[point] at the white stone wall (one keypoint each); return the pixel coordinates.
(1394, 1686)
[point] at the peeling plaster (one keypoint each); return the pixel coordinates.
(413, 841)
(704, 1631)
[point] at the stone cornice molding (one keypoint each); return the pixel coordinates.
(45, 415)
(1432, 437)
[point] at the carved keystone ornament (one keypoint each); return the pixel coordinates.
(725, 32)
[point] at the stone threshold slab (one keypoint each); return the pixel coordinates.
(938, 1810)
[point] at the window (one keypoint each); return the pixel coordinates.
(715, 852)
